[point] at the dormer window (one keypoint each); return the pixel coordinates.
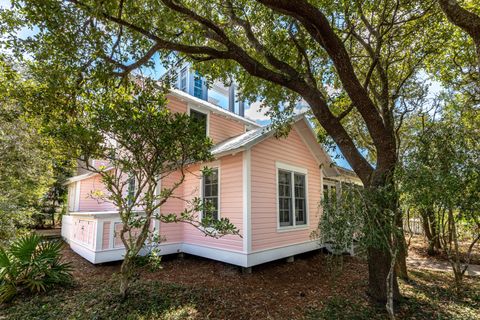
(183, 79)
(198, 85)
(200, 118)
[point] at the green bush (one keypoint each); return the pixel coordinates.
(32, 264)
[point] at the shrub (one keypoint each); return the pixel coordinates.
(32, 264)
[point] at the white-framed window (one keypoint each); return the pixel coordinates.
(329, 191)
(198, 85)
(292, 193)
(131, 189)
(200, 117)
(211, 192)
(183, 79)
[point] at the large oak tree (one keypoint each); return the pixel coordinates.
(355, 63)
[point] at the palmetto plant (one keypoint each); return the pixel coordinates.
(33, 264)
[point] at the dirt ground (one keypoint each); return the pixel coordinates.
(273, 290)
(418, 249)
(311, 287)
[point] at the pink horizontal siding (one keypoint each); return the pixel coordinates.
(294, 152)
(89, 202)
(222, 128)
(176, 105)
(230, 202)
(173, 232)
(106, 235)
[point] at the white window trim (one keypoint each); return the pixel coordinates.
(214, 165)
(187, 71)
(329, 185)
(292, 169)
(198, 109)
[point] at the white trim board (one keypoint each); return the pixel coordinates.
(232, 257)
(247, 200)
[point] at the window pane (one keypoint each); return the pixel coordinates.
(300, 200)
(183, 79)
(198, 86)
(285, 198)
(325, 192)
(199, 118)
(210, 194)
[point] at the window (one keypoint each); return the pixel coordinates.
(285, 198)
(201, 119)
(210, 193)
(130, 190)
(183, 79)
(72, 196)
(198, 85)
(329, 192)
(292, 199)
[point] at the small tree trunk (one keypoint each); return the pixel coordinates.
(390, 293)
(402, 250)
(431, 231)
(125, 276)
(457, 265)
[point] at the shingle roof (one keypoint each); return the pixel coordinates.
(249, 137)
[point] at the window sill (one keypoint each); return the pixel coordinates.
(293, 228)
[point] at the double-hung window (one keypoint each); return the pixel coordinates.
(210, 193)
(329, 192)
(183, 79)
(131, 189)
(292, 198)
(198, 85)
(201, 119)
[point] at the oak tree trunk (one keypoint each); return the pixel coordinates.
(431, 231)
(379, 257)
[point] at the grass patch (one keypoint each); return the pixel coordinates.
(427, 295)
(342, 309)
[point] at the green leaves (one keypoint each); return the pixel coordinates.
(33, 264)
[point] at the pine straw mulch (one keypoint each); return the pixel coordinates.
(196, 288)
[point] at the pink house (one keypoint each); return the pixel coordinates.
(270, 188)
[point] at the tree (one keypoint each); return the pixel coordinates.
(351, 62)
(468, 21)
(143, 143)
(441, 175)
(25, 159)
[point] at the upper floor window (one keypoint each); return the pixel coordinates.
(210, 193)
(292, 198)
(131, 189)
(183, 79)
(200, 118)
(198, 85)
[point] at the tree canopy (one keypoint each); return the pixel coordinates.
(359, 65)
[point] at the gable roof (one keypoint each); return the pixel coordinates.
(253, 137)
